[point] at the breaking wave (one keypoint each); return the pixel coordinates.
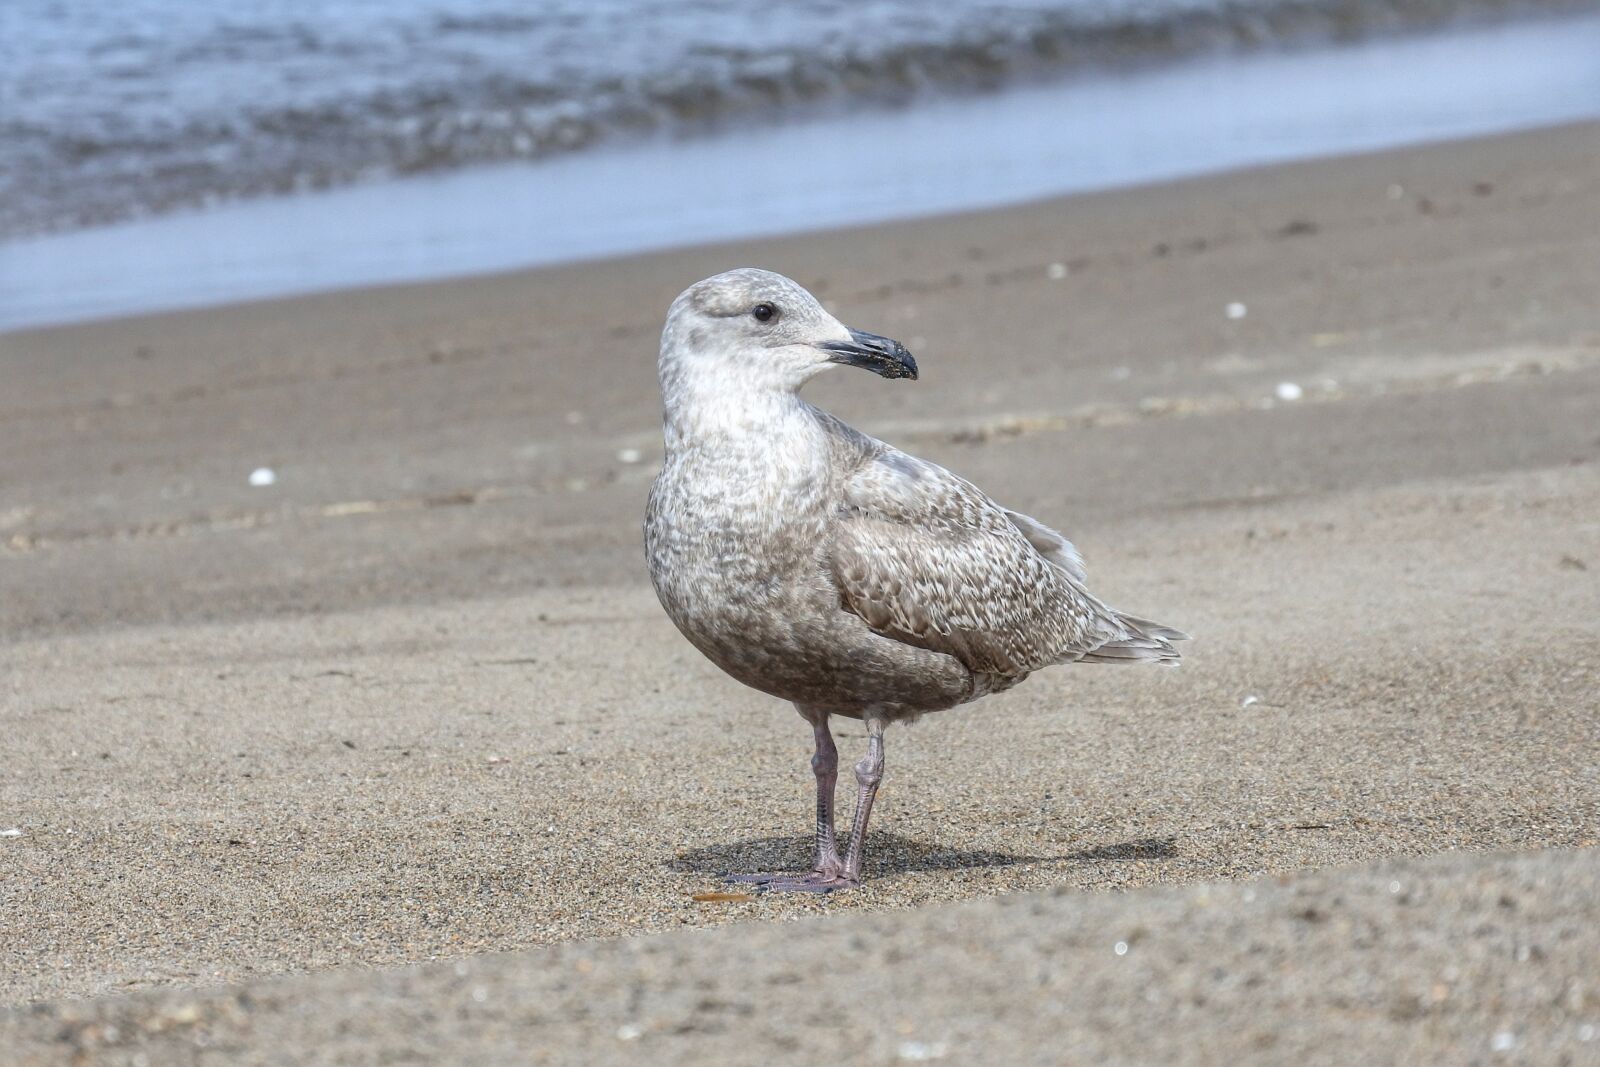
(153, 105)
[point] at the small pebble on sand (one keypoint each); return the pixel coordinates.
(629, 455)
(263, 476)
(1289, 391)
(1236, 310)
(921, 1051)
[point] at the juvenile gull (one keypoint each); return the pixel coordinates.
(826, 568)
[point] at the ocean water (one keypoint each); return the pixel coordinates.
(124, 108)
(973, 151)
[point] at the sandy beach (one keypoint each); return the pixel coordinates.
(415, 701)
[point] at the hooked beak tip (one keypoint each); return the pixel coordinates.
(884, 356)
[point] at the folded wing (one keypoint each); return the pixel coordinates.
(926, 558)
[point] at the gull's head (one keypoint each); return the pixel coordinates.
(751, 329)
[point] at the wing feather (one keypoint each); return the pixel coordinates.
(924, 557)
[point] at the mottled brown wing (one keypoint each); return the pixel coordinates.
(926, 558)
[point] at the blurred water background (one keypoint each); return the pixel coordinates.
(449, 117)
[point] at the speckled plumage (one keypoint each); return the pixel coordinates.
(825, 567)
(822, 566)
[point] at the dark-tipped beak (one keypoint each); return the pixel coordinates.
(880, 355)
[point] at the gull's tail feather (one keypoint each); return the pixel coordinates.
(1149, 642)
(1152, 629)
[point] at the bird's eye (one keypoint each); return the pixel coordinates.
(764, 312)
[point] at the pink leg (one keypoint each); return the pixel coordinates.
(826, 874)
(825, 765)
(869, 772)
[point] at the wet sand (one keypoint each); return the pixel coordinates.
(415, 701)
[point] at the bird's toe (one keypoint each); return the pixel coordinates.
(796, 881)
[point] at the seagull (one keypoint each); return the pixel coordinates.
(831, 570)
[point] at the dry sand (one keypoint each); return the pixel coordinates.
(1445, 960)
(416, 701)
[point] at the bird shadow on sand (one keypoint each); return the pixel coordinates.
(889, 853)
(1146, 848)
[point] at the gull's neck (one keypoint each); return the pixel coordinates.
(717, 408)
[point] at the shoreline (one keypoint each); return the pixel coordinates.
(1023, 143)
(471, 115)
